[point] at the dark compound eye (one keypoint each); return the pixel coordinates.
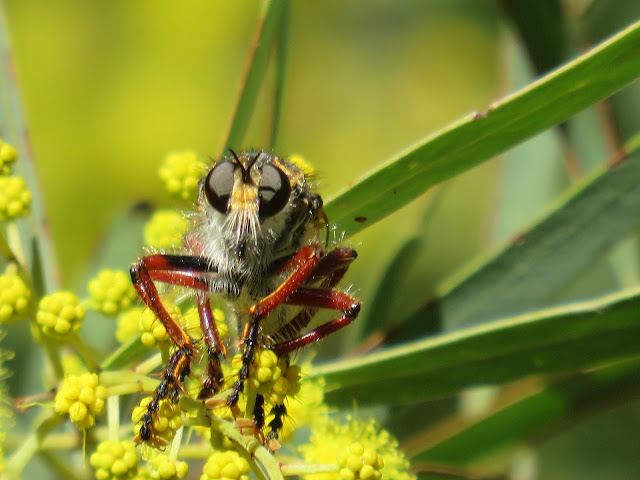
(274, 190)
(219, 185)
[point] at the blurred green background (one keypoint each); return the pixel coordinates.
(110, 87)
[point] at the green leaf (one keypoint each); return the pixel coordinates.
(36, 238)
(544, 29)
(524, 413)
(281, 54)
(380, 312)
(591, 77)
(529, 271)
(560, 339)
(268, 24)
(126, 355)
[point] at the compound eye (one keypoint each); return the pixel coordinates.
(219, 185)
(273, 190)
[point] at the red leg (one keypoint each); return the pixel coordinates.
(172, 269)
(337, 260)
(176, 270)
(302, 264)
(320, 298)
(332, 267)
(214, 377)
(173, 376)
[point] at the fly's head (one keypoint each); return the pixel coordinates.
(256, 207)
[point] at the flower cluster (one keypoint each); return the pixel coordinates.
(115, 460)
(167, 469)
(360, 448)
(82, 397)
(181, 172)
(164, 229)
(14, 297)
(111, 292)
(15, 197)
(357, 462)
(225, 465)
(166, 421)
(273, 377)
(60, 314)
(8, 155)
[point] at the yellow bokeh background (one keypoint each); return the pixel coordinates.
(110, 87)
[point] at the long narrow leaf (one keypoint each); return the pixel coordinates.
(591, 77)
(561, 339)
(13, 129)
(530, 270)
(526, 413)
(270, 20)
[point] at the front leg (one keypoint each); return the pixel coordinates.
(214, 378)
(188, 271)
(302, 265)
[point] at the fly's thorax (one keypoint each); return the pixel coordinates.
(254, 210)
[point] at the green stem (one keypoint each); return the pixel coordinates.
(150, 364)
(113, 418)
(55, 441)
(62, 469)
(123, 382)
(195, 452)
(132, 387)
(263, 464)
(53, 354)
(126, 355)
(175, 445)
(120, 377)
(85, 353)
(251, 446)
(7, 253)
(31, 445)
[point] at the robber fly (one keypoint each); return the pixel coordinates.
(256, 240)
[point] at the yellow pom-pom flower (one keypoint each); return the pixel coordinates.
(307, 407)
(115, 460)
(377, 446)
(111, 292)
(8, 155)
(166, 469)
(60, 314)
(153, 332)
(287, 385)
(14, 298)
(271, 377)
(166, 421)
(265, 369)
(144, 473)
(227, 465)
(164, 229)
(128, 324)
(82, 398)
(180, 172)
(358, 462)
(15, 198)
